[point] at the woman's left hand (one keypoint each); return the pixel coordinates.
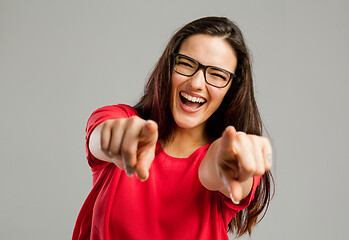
(241, 156)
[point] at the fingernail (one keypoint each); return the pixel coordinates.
(150, 121)
(231, 195)
(230, 127)
(143, 179)
(146, 177)
(233, 200)
(229, 190)
(129, 172)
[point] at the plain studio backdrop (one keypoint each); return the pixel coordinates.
(60, 60)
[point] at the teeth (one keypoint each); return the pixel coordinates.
(192, 99)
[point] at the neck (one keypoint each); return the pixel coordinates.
(184, 142)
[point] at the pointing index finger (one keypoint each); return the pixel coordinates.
(228, 136)
(146, 149)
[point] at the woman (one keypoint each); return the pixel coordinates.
(188, 161)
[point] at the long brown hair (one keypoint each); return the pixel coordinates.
(237, 109)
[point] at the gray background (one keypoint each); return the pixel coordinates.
(60, 60)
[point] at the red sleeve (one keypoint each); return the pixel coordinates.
(99, 116)
(230, 209)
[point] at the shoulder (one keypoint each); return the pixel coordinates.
(119, 110)
(109, 112)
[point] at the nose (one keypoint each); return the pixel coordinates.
(197, 81)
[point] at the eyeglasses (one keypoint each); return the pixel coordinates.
(188, 66)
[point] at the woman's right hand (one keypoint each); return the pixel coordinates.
(128, 142)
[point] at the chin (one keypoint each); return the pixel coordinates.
(189, 124)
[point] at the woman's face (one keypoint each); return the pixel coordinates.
(193, 101)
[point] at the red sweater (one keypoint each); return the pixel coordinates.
(171, 204)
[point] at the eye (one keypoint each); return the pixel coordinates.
(218, 74)
(222, 76)
(185, 63)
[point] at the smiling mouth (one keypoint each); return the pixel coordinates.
(190, 101)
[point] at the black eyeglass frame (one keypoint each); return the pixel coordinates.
(174, 55)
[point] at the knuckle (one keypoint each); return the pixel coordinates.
(259, 171)
(118, 123)
(266, 143)
(264, 140)
(107, 123)
(113, 151)
(117, 126)
(240, 136)
(132, 120)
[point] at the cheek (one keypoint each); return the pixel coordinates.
(176, 82)
(217, 96)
